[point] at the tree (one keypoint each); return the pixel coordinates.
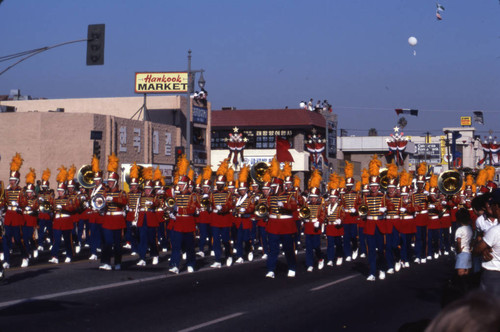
(402, 122)
(372, 132)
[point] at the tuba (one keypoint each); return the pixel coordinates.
(384, 180)
(258, 170)
(170, 202)
(85, 177)
(450, 182)
(205, 203)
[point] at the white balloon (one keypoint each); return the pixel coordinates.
(412, 41)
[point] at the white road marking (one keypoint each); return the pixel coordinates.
(215, 321)
(80, 291)
(334, 282)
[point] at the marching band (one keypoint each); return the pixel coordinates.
(388, 216)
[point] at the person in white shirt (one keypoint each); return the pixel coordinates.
(489, 248)
(463, 237)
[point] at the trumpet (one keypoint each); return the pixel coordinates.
(261, 210)
(170, 202)
(205, 203)
(44, 206)
(98, 202)
(305, 212)
(363, 210)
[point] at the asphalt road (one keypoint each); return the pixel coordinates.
(79, 297)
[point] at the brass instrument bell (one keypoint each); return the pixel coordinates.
(85, 176)
(450, 182)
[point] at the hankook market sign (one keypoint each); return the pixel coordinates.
(164, 82)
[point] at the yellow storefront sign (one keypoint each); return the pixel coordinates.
(465, 121)
(164, 82)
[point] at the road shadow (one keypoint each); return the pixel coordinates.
(29, 274)
(37, 307)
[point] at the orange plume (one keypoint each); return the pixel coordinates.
(223, 167)
(71, 172)
(46, 175)
(392, 171)
(296, 181)
(243, 176)
(95, 164)
(157, 174)
(365, 176)
(230, 174)
(315, 180)
(191, 174)
(63, 174)
(358, 186)
(482, 177)
(287, 170)
(113, 163)
(434, 181)
(31, 176)
(147, 173)
(422, 168)
(207, 172)
(275, 168)
(490, 170)
(374, 166)
(349, 169)
(16, 163)
(134, 171)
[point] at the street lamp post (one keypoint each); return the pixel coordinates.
(201, 84)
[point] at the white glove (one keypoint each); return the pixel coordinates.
(27, 208)
(443, 202)
(316, 224)
(431, 206)
(382, 209)
(426, 192)
(59, 207)
(242, 210)
(280, 204)
(402, 209)
(337, 222)
(109, 198)
(353, 210)
(86, 204)
(257, 198)
(218, 207)
(134, 223)
(171, 215)
(15, 203)
(149, 203)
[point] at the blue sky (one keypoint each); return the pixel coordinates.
(272, 54)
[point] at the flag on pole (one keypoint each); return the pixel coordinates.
(439, 8)
(406, 111)
(282, 153)
(478, 117)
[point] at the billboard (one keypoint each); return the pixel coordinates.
(161, 82)
(465, 121)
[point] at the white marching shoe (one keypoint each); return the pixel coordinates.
(93, 257)
(390, 271)
(397, 266)
(270, 274)
(355, 254)
(291, 273)
(407, 264)
(105, 267)
(339, 261)
(371, 277)
(184, 256)
(348, 259)
(264, 256)
(201, 254)
(174, 269)
(142, 262)
(321, 264)
(362, 255)
(239, 260)
(190, 269)
(35, 253)
(25, 262)
(155, 260)
(330, 263)
(229, 261)
(54, 260)
(381, 275)
(423, 261)
(216, 265)
(250, 256)
(78, 249)
(67, 260)
(310, 269)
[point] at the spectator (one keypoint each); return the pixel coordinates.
(478, 312)
(489, 248)
(463, 238)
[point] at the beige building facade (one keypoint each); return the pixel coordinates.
(51, 133)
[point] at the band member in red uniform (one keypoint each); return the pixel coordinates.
(334, 229)
(45, 217)
(243, 211)
(392, 222)
(147, 222)
(184, 226)
(133, 198)
(263, 197)
(407, 227)
(363, 191)
(13, 219)
(159, 192)
(74, 197)
(95, 218)
(376, 203)
(114, 220)
(350, 219)
(313, 223)
(29, 202)
(281, 227)
(203, 220)
(63, 219)
(434, 223)
(422, 217)
(221, 222)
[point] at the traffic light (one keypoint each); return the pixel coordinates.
(95, 45)
(179, 151)
(97, 149)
